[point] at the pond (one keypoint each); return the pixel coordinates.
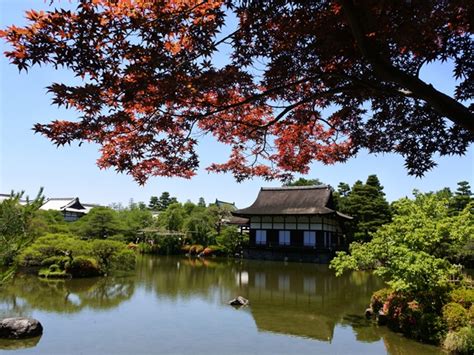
(175, 305)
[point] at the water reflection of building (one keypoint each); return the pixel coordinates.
(301, 300)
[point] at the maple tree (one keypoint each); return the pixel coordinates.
(306, 80)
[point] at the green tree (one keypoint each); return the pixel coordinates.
(200, 226)
(462, 196)
(411, 253)
(201, 202)
(154, 203)
(100, 222)
(219, 215)
(134, 220)
(231, 240)
(367, 204)
(304, 182)
(16, 224)
(172, 219)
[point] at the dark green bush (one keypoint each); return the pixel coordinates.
(84, 266)
(455, 316)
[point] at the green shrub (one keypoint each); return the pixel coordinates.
(471, 314)
(58, 260)
(378, 298)
(455, 316)
(463, 296)
(83, 266)
(124, 260)
(54, 268)
(52, 245)
(461, 341)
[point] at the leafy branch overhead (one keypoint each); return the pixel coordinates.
(306, 81)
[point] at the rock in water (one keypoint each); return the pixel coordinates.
(239, 301)
(19, 327)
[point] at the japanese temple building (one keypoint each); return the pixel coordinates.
(294, 223)
(71, 208)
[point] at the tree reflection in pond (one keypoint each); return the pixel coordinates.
(28, 292)
(293, 308)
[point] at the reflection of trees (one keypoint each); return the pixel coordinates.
(16, 344)
(27, 292)
(178, 277)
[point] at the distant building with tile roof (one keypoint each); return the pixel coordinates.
(71, 208)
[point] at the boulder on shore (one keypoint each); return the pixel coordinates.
(239, 301)
(19, 328)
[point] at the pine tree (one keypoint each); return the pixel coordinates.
(461, 198)
(367, 204)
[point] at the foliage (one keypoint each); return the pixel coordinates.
(463, 296)
(304, 182)
(462, 196)
(455, 315)
(161, 203)
(379, 298)
(16, 224)
(132, 221)
(84, 266)
(232, 241)
(161, 243)
(172, 219)
(100, 222)
(366, 203)
(196, 249)
(410, 252)
(461, 341)
(415, 315)
(78, 257)
(50, 221)
(148, 88)
(200, 227)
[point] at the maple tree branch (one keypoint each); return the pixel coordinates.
(442, 103)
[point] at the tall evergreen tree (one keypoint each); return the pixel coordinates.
(201, 202)
(462, 197)
(161, 203)
(367, 204)
(154, 203)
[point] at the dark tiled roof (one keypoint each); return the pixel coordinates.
(297, 200)
(240, 221)
(220, 203)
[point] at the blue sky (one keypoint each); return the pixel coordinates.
(29, 161)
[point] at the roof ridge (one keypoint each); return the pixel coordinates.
(283, 188)
(60, 198)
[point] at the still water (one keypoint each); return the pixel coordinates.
(174, 305)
